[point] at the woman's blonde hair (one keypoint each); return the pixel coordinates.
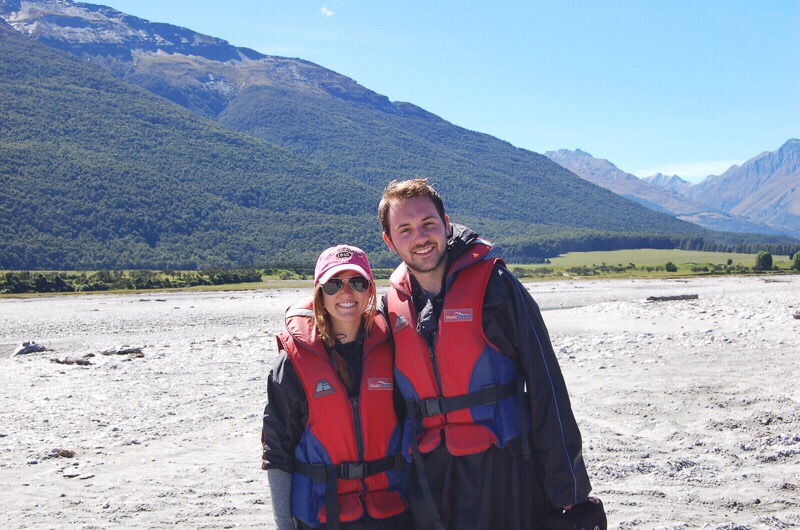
(325, 328)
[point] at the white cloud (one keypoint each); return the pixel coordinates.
(691, 171)
(325, 12)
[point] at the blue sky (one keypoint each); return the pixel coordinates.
(678, 86)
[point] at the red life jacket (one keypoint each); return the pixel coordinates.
(465, 388)
(350, 444)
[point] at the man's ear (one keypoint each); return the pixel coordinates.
(388, 241)
(448, 228)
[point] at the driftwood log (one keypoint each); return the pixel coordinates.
(671, 298)
(82, 361)
(124, 351)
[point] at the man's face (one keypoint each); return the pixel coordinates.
(418, 235)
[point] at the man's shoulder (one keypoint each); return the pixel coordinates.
(500, 273)
(503, 285)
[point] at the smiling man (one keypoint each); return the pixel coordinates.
(488, 424)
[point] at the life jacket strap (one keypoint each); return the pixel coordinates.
(349, 470)
(422, 475)
(488, 395)
(332, 503)
(329, 474)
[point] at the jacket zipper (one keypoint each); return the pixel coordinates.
(354, 401)
(357, 423)
(435, 365)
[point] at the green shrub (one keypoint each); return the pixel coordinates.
(763, 261)
(670, 267)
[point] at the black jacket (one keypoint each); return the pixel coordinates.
(513, 322)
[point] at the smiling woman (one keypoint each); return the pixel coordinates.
(329, 434)
(342, 301)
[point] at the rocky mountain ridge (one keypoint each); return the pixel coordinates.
(760, 196)
(207, 74)
(265, 136)
(671, 183)
(765, 187)
(605, 174)
(200, 72)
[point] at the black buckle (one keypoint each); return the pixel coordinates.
(431, 407)
(352, 470)
(489, 395)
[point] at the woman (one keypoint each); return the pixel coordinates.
(331, 437)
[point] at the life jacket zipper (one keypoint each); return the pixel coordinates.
(434, 364)
(354, 401)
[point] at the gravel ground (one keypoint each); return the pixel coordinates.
(690, 410)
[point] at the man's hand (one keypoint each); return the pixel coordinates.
(588, 515)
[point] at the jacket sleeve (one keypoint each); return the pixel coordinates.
(285, 415)
(280, 489)
(512, 322)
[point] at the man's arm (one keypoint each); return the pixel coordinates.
(513, 322)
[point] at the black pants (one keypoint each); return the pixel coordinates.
(493, 490)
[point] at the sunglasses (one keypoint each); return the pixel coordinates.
(358, 284)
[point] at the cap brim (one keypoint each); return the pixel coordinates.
(330, 273)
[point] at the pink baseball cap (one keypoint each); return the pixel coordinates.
(341, 258)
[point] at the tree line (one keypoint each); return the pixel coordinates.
(67, 282)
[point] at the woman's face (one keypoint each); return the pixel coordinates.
(346, 306)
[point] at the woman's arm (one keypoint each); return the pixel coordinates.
(280, 488)
(285, 418)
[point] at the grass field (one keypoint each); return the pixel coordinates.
(645, 263)
(641, 263)
(650, 256)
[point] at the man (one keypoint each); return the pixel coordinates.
(476, 368)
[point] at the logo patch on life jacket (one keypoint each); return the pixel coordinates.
(379, 383)
(458, 315)
(400, 323)
(324, 388)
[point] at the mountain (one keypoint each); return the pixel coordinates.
(605, 174)
(234, 157)
(765, 188)
(673, 183)
(197, 71)
(759, 207)
(98, 173)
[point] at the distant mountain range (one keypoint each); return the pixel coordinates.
(673, 183)
(760, 196)
(231, 157)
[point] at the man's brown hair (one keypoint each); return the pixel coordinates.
(407, 189)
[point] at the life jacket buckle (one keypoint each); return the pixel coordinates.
(431, 407)
(352, 470)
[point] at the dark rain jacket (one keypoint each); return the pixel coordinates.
(497, 488)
